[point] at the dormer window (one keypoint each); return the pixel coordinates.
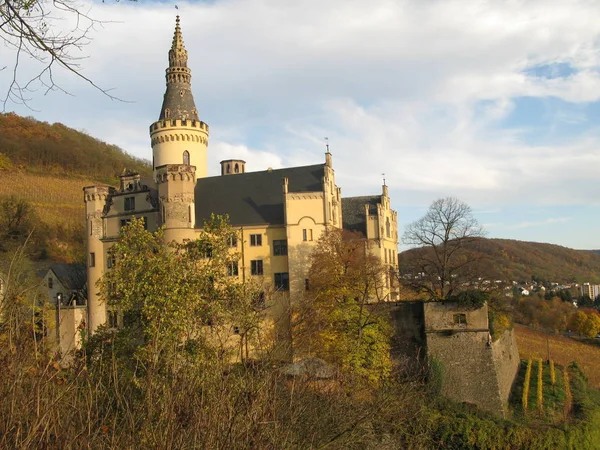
(129, 203)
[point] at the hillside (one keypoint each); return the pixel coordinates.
(507, 260)
(47, 165)
(40, 147)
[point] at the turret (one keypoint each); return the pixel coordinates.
(176, 184)
(179, 136)
(233, 166)
(95, 198)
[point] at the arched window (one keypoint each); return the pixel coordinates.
(186, 158)
(167, 113)
(237, 168)
(387, 227)
(228, 168)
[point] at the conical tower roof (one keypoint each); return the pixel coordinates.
(178, 102)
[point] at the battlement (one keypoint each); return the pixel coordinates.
(93, 193)
(165, 124)
(172, 172)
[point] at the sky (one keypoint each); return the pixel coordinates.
(494, 102)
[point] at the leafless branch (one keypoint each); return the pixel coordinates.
(37, 29)
(442, 265)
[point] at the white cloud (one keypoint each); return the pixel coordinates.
(418, 90)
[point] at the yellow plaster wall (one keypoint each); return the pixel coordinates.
(169, 142)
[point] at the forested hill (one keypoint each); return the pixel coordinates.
(506, 259)
(47, 166)
(30, 145)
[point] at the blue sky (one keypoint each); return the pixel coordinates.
(496, 103)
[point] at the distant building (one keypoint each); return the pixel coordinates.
(65, 281)
(591, 290)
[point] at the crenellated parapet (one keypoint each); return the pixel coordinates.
(178, 123)
(97, 193)
(175, 172)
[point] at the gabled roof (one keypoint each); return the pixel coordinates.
(353, 212)
(253, 198)
(71, 276)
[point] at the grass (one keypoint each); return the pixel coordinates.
(563, 350)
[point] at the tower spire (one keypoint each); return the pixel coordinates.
(178, 101)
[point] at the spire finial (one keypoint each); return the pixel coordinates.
(383, 175)
(327, 144)
(178, 102)
(178, 53)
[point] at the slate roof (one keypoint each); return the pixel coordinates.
(71, 276)
(253, 198)
(353, 212)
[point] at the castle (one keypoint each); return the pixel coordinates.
(280, 213)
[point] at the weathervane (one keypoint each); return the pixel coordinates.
(327, 143)
(383, 175)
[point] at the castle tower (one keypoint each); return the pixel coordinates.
(179, 136)
(95, 198)
(233, 166)
(176, 184)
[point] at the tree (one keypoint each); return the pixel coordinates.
(442, 265)
(334, 321)
(179, 293)
(33, 30)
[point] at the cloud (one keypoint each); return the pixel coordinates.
(424, 92)
(549, 221)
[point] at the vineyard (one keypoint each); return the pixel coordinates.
(563, 351)
(56, 200)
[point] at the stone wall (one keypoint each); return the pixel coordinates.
(468, 369)
(407, 322)
(506, 360)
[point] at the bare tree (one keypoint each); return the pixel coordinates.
(50, 32)
(442, 265)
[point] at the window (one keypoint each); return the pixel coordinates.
(282, 281)
(255, 240)
(145, 219)
(307, 234)
(256, 267)
(237, 168)
(460, 319)
(233, 241)
(306, 284)
(259, 300)
(113, 321)
(50, 283)
(92, 260)
(232, 269)
(110, 262)
(206, 249)
(129, 203)
(186, 158)
(280, 247)
(387, 227)
(125, 222)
